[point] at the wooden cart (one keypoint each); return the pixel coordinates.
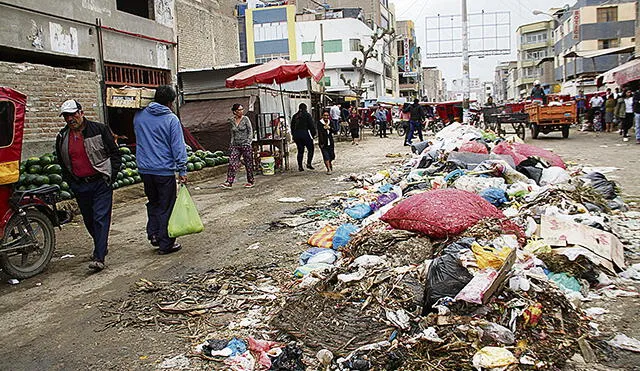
(546, 119)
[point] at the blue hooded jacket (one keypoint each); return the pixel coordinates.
(160, 148)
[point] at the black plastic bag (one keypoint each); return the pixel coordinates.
(446, 277)
(289, 360)
(532, 168)
(602, 185)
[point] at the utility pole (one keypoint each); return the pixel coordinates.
(322, 97)
(465, 64)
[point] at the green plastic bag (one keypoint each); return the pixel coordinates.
(184, 218)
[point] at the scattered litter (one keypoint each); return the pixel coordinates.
(13, 281)
(291, 199)
(254, 246)
(595, 311)
(66, 256)
(179, 362)
(622, 341)
(493, 357)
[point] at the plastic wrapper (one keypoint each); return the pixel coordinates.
(475, 290)
(184, 219)
(445, 278)
(493, 357)
(554, 175)
(473, 147)
(498, 333)
(489, 257)
(443, 213)
(343, 235)
(602, 185)
(495, 196)
(359, 211)
(521, 151)
(308, 268)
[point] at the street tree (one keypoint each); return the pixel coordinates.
(360, 64)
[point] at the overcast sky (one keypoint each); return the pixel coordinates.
(483, 68)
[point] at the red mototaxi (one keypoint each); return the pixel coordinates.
(447, 111)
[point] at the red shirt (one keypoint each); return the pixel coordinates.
(80, 164)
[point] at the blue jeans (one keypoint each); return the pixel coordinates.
(637, 122)
(95, 200)
(161, 193)
(413, 125)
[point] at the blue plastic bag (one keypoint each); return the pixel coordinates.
(385, 188)
(343, 235)
(237, 346)
(304, 257)
(495, 196)
(359, 211)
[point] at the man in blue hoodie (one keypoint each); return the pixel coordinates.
(160, 153)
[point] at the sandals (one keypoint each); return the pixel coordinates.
(249, 185)
(225, 185)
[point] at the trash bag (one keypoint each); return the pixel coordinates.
(289, 360)
(417, 148)
(521, 151)
(445, 278)
(323, 238)
(443, 213)
(554, 175)
(477, 184)
(474, 147)
(359, 211)
(532, 168)
(306, 255)
(343, 235)
(326, 256)
(602, 185)
(382, 200)
(495, 196)
(184, 217)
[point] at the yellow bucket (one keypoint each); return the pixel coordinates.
(268, 165)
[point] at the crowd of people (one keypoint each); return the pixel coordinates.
(610, 112)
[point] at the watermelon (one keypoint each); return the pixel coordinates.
(33, 161)
(120, 175)
(114, 185)
(65, 195)
(126, 158)
(53, 169)
(200, 153)
(190, 166)
(120, 183)
(197, 166)
(210, 161)
(122, 166)
(46, 160)
(188, 147)
(124, 150)
(55, 179)
(225, 159)
(137, 179)
(64, 186)
(22, 188)
(32, 187)
(34, 169)
(41, 179)
(23, 167)
(218, 154)
(192, 159)
(22, 179)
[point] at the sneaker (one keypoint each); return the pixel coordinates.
(225, 185)
(249, 185)
(175, 248)
(96, 266)
(310, 167)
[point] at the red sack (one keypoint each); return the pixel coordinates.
(520, 152)
(442, 213)
(473, 146)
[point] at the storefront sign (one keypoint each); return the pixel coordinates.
(407, 58)
(576, 24)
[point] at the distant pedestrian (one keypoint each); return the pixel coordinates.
(354, 125)
(636, 114)
(380, 115)
(240, 147)
(581, 103)
(609, 112)
(624, 111)
(325, 141)
(334, 114)
(416, 116)
(537, 93)
(303, 130)
(596, 102)
(90, 161)
(160, 153)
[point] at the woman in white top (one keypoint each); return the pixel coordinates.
(627, 123)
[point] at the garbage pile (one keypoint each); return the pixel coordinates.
(474, 254)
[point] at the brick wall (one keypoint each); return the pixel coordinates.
(46, 88)
(207, 32)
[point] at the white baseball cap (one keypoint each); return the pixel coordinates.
(70, 106)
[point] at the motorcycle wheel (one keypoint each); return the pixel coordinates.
(400, 130)
(32, 260)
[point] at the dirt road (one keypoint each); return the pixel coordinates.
(52, 321)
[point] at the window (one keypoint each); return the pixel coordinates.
(609, 14)
(333, 46)
(384, 22)
(534, 38)
(354, 45)
(325, 81)
(535, 54)
(7, 114)
(308, 47)
(609, 43)
(141, 8)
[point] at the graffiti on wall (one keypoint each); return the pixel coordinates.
(63, 40)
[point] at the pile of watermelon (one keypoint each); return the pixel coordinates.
(43, 170)
(200, 159)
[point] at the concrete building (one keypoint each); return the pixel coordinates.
(409, 60)
(203, 29)
(513, 93)
(500, 81)
(535, 52)
(488, 91)
(592, 37)
(338, 51)
(270, 33)
(433, 85)
(58, 50)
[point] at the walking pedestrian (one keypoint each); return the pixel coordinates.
(624, 111)
(354, 125)
(90, 162)
(636, 114)
(609, 109)
(160, 153)
(596, 102)
(334, 113)
(240, 147)
(325, 141)
(416, 117)
(381, 119)
(581, 104)
(303, 131)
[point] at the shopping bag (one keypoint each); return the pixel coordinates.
(184, 218)
(324, 237)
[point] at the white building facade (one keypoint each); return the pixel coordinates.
(341, 43)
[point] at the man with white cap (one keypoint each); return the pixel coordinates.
(537, 93)
(90, 162)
